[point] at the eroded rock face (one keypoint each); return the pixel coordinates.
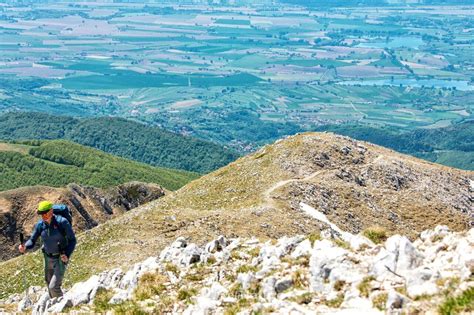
(90, 206)
(290, 275)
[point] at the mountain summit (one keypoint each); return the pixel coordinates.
(353, 184)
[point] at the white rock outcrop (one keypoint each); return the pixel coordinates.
(291, 275)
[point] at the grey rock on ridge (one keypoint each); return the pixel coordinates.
(289, 275)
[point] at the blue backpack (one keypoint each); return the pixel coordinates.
(64, 211)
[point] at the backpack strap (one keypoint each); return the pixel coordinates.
(60, 226)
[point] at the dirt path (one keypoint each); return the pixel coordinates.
(268, 199)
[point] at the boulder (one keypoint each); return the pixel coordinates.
(216, 245)
(111, 278)
(119, 296)
(407, 257)
(24, 304)
(395, 300)
(246, 279)
(60, 305)
(40, 306)
(190, 255)
(437, 233)
(82, 292)
(303, 249)
(268, 288)
(324, 258)
(398, 257)
(421, 281)
(283, 284)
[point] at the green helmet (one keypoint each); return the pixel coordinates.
(44, 206)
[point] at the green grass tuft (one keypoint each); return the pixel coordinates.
(335, 303)
(380, 300)
(101, 300)
(185, 294)
(149, 285)
(462, 303)
(365, 287)
(376, 234)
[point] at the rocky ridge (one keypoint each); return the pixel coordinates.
(90, 206)
(334, 272)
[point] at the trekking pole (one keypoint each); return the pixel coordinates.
(27, 298)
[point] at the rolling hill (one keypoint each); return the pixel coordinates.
(121, 137)
(57, 163)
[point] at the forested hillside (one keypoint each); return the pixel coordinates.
(452, 146)
(120, 137)
(58, 163)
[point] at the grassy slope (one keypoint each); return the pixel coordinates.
(58, 163)
(229, 201)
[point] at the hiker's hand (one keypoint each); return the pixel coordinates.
(64, 258)
(21, 248)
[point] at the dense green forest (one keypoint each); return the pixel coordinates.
(225, 125)
(452, 146)
(58, 162)
(120, 137)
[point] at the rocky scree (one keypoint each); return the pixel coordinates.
(327, 273)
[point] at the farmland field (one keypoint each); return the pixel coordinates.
(241, 76)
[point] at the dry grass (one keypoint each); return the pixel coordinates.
(380, 300)
(335, 303)
(304, 298)
(299, 279)
(246, 268)
(186, 294)
(339, 285)
(313, 237)
(376, 234)
(149, 285)
(365, 287)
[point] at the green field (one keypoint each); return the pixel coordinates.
(195, 70)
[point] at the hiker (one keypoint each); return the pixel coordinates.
(59, 242)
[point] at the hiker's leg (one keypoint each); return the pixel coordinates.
(48, 272)
(57, 278)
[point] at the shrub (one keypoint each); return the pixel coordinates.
(186, 294)
(463, 303)
(101, 300)
(246, 268)
(298, 278)
(335, 303)
(313, 237)
(128, 308)
(150, 284)
(254, 252)
(380, 300)
(172, 268)
(304, 298)
(364, 287)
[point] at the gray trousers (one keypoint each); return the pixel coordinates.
(54, 270)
